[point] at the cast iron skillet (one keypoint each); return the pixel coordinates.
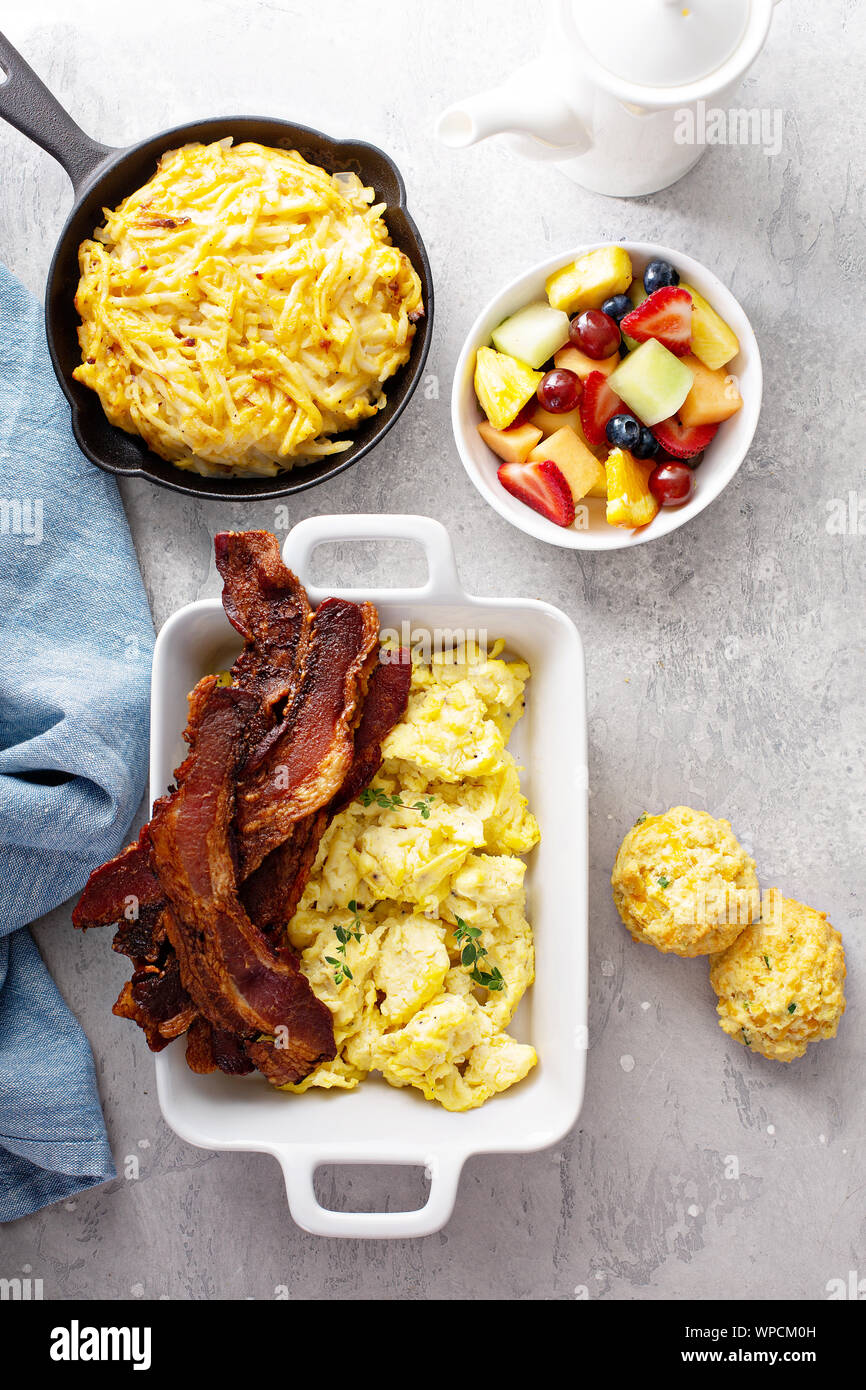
(102, 177)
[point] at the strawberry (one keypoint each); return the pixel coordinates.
(598, 405)
(681, 442)
(665, 315)
(542, 487)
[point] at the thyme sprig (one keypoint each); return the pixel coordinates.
(344, 935)
(474, 953)
(390, 800)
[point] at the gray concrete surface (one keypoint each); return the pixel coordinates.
(725, 670)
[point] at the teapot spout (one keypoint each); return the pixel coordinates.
(523, 105)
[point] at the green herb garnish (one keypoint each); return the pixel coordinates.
(663, 882)
(344, 935)
(473, 953)
(390, 800)
(767, 962)
(640, 820)
(791, 1008)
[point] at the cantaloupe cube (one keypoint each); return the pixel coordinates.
(579, 467)
(587, 282)
(503, 385)
(714, 395)
(576, 361)
(629, 500)
(549, 423)
(512, 444)
(713, 340)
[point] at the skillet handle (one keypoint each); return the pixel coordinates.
(27, 104)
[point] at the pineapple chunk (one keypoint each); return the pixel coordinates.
(713, 341)
(503, 385)
(549, 423)
(576, 361)
(714, 396)
(629, 500)
(578, 466)
(512, 444)
(587, 282)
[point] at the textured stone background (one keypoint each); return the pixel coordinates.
(725, 670)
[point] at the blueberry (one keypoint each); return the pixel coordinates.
(658, 274)
(623, 431)
(647, 445)
(617, 307)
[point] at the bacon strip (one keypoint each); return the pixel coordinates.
(387, 697)
(301, 765)
(268, 605)
(268, 900)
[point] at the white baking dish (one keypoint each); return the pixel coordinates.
(376, 1123)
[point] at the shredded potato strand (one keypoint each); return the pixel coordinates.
(242, 308)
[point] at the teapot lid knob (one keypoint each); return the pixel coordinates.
(660, 43)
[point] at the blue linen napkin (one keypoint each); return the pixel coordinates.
(75, 650)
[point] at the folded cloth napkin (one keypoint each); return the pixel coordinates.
(76, 641)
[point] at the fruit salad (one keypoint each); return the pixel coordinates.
(611, 389)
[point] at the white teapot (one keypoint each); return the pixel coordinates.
(623, 93)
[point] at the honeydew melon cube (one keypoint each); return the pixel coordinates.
(533, 334)
(652, 382)
(637, 294)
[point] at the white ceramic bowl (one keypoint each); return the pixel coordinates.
(720, 462)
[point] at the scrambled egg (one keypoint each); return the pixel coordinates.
(780, 984)
(418, 890)
(683, 883)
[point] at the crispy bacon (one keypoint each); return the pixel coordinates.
(212, 1049)
(240, 981)
(272, 893)
(267, 604)
(301, 764)
(128, 880)
(294, 738)
(387, 697)
(156, 1000)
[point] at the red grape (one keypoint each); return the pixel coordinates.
(671, 483)
(559, 391)
(595, 333)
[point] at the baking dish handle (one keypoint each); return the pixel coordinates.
(442, 579)
(299, 1169)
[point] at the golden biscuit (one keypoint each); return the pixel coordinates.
(780, 984)
(682, 883)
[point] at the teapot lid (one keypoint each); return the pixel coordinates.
(661, 43)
